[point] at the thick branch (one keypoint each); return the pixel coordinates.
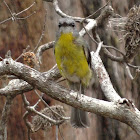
(104, 79)
(121, 112)
(15, 87)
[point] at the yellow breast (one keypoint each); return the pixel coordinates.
(71, 60)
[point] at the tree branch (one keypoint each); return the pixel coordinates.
(122, 112)
(103, 78)
(43, 48)
(15, 87)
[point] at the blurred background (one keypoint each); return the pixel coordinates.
(16, 36)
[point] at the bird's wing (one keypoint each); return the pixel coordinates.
(81, 42)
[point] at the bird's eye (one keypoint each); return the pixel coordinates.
(59, 25)
(73, 25)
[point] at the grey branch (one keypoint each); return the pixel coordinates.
(103, 78)
(16, 87)
(43, 48)
(62, 14)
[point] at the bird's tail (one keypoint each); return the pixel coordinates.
(79, 118)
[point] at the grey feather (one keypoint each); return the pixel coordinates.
(79, 118)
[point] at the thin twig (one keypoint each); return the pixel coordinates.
(22, 53)
(23, 18)
(26, 102)
(8, 8)
(43, 32)
(111, 47)
(36, 104)
(128, 71)
(5, 20)
(26, 9)
(26, 114)
(137, 74)
(133, 66)
(89, 34)
(40, 99)
(96, 11)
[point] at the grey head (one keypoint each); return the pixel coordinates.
(67, 25)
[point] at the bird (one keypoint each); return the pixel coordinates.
(73, 58)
